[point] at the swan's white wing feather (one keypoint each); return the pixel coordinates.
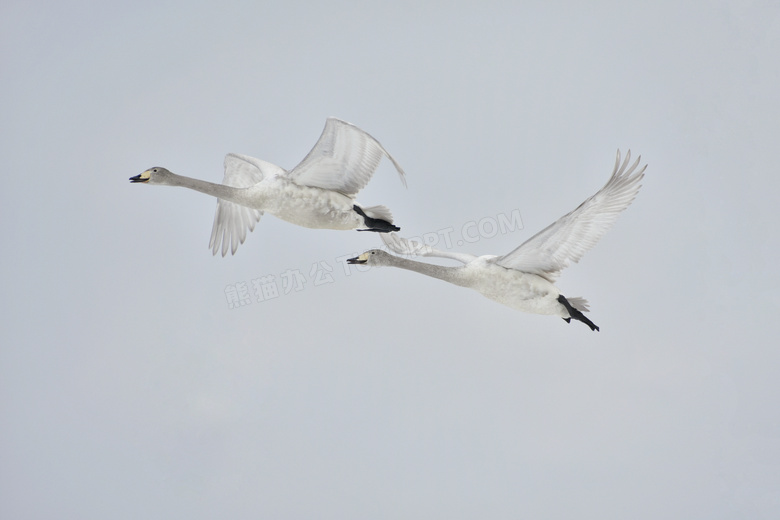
(344, 159)
(571, 236)
(403, 246)
(232, 220)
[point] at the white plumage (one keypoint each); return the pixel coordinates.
(318, 193)
(523, 278)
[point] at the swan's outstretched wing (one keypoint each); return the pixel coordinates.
(344, 159)
(231, 220)
(568, 238)
(403, 246)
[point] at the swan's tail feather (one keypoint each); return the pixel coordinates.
(380, 212)
(581, 304)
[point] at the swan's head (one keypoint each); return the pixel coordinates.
(156, 175)
(372, 257)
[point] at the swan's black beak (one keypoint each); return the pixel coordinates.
(141, 177)
(356, 260)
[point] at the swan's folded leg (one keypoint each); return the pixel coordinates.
(375, 224)
(574, 313)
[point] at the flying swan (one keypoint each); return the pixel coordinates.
(319, 193)
(523, 279)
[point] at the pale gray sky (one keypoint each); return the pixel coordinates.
(129, 387)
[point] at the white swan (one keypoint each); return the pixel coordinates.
(318, 193)
(523, 279)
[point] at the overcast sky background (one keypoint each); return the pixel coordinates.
(129, 387)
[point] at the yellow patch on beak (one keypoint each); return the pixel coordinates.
(362, 259)
(144, 177)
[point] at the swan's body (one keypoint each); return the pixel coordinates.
(319, 193)
(524, 278)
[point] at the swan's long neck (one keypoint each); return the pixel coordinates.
(229, 193)
(448, 274)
